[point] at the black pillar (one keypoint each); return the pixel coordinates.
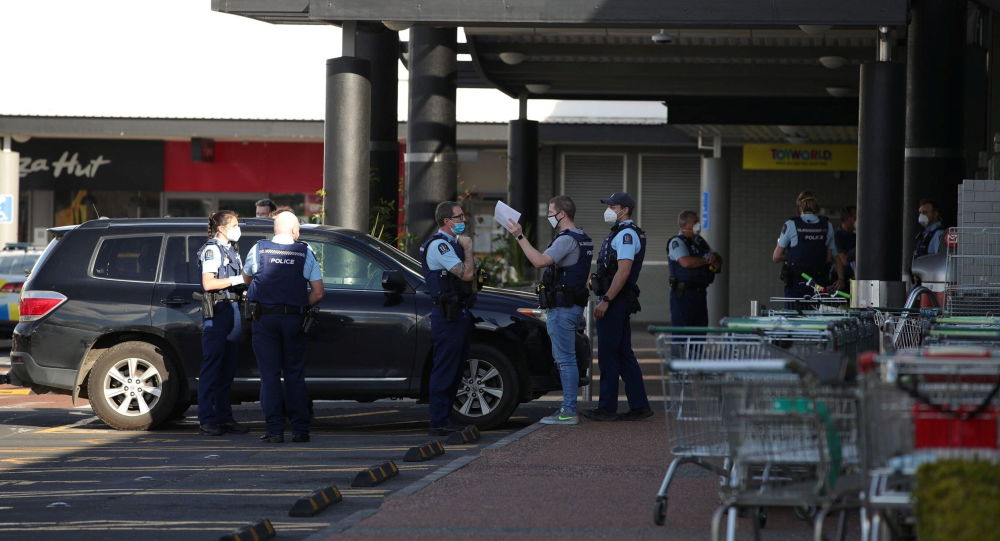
(934, 165)
(345, 140)
(880, 170)
(431, 164)
(380, 46)
(522, 172)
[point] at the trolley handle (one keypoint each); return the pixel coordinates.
(821, 289)
(746, 365)
(654, 329)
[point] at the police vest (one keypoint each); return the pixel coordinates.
(441, 281)
(279, 278)
(607, 258)
(809, 255)
(697, 277)
(574, 277)
(230, 265)
(923, 241)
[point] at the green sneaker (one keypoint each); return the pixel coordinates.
(561, 417)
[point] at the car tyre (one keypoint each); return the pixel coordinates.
(133, 387)
(489, 390)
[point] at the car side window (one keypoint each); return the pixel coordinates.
(128, 258)
(344, 268)
(178, 262)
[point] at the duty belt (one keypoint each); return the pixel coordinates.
(281, 309)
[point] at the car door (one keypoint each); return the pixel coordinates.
(173, 309)
(363, 333)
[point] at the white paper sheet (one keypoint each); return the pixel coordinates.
(503, 212)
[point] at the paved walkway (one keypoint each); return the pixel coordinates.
(591, 481)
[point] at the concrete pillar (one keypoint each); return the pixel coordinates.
(714, 210)
(522, 172)
(431, 163)
(934, 73)
(9, 190)
(380, 46)
(346, 143)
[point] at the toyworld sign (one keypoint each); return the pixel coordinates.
(800, 157)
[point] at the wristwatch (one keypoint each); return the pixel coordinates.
(604, 298)
(519, 237)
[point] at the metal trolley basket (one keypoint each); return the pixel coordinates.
(695, 424)
(922, 405)
(828, 345)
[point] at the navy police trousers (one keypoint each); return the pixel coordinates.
(451, 349)
(220, 348)
(689, 308)
(616, 359)
(280, 345)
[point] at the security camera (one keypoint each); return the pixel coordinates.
(662, 37)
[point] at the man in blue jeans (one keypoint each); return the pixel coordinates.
(563, 293)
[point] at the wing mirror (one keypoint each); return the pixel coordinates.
(392, 280)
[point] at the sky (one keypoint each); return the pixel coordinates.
(179, 59)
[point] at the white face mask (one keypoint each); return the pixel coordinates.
(696, 229)
(234, 234)
(553, 221)
(923, 219)
(610, 216)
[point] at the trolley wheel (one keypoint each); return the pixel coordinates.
(805, 512)
(760, 517)
(660, 511)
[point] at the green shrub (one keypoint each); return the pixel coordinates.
(957, 500)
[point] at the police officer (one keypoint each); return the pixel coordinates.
(928, 241)
(221, 271)
(806, 245)
(286, 280)
(693, 266)
(847, 240)
(618, 266)
(449, 269)
(264, 208)
(563, 293)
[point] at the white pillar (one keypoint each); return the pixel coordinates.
(9, 184)
(714, 210)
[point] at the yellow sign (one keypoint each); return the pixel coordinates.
(777, 157)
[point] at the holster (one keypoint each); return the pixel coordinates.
(599, 283)
(450, 306)
(252, 310)
(786, 274)
(309, 319)
(207, 300)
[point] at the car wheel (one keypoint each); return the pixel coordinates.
(489, 390)
(132, 387)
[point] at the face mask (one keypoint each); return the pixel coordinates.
(553, 221)
(696, 229)
(458, 228)
(923, 219)
(234, 234)
(610, 216)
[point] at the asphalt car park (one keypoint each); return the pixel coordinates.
(64, 474)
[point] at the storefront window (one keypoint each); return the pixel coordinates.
(77, 206)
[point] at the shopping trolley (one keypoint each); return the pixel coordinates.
(920, 406)
(829, 346)
(790, 437)
(694, 417)
(901, 328)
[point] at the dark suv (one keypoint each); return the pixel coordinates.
(107, 314)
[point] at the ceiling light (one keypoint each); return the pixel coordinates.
(832, 62)
(662, 37)
(397, 26)
(814, 29)
(839, 91)
(538, 88)
(512, 58)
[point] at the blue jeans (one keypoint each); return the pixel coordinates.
(562, 324)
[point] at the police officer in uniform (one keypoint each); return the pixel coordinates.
(928, 241)
(221, 271)
(618, 266)
(286, 280)
(806, 245)
(449, 269)
(693, 266)
(563, 293)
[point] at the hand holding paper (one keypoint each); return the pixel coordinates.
(503, 214)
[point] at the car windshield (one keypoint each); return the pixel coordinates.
(404, 259)
(18, 263)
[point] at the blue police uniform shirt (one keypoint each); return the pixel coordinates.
(626, 243)
(789, 236)
(936, 233)
(440, 255)
(678, 249)
(310, 271)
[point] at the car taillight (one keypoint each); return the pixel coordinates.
(11, 287)
(38, 304)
